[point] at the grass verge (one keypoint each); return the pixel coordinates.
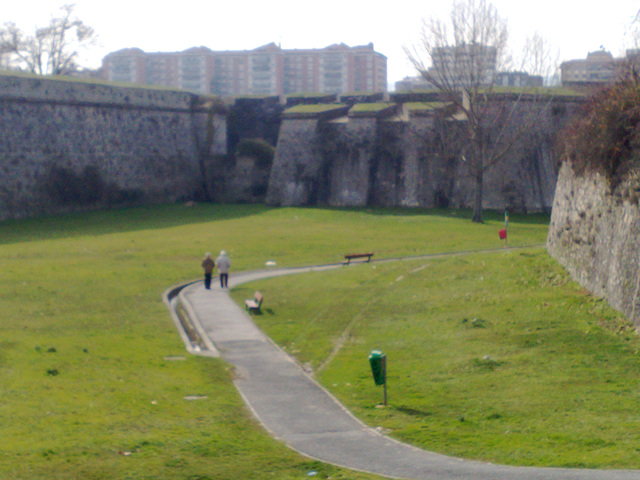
(95, 380)
(96, 383)
(496, 356)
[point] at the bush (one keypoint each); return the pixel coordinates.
(606, 133)
(258, 149)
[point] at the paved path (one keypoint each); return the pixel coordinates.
(307, 418)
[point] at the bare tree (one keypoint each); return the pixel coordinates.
(51, 50)
(464, 55)
(539, 57)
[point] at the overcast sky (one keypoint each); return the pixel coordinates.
(573, 27)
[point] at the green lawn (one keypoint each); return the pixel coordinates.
(91, 388)
(494, 355)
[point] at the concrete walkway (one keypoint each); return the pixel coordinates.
(295, 409)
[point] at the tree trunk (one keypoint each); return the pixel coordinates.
(478, 194)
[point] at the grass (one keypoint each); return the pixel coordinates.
(91, 387)
(540, 91)
(425, 106)
(94, 376)
(315, 108)
(496, 356)
(371, 107)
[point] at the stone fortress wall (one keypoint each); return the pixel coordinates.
(594, 233)
(401, 154)
(70, 145)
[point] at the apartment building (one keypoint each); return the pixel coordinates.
(598, 67)
(267, 70)
(464, 65)
(501, 79)
(518, 79)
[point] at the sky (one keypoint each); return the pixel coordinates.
(572, 27)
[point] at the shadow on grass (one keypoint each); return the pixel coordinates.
(172, 215)
(120, 220)
(462, 213)
(414, 412)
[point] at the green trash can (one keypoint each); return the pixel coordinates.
(377, 360)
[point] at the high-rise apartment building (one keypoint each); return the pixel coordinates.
(464, 65)
(267, 70)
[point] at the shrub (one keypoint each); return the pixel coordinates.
(258, 149)
(605, 134)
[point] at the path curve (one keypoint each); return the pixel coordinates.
(298, 411)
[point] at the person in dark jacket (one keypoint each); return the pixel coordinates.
(208, 266)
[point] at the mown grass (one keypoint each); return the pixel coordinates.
(496, 356)
(315, 108)
(91, 388)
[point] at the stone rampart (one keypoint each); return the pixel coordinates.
(70, 145)
(299, 172)
(408, 155)
(594, 233)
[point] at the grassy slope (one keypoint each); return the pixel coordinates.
(496, 356)
(89, 286)
(492, 356)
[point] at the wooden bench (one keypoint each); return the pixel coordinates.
(350, 256)
(254, 304)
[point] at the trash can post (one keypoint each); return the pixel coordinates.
(384, 375)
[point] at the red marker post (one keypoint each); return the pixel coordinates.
(503, 233)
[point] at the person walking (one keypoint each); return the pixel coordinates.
(224, 264)
(208, 266)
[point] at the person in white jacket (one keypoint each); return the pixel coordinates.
(223, 264)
